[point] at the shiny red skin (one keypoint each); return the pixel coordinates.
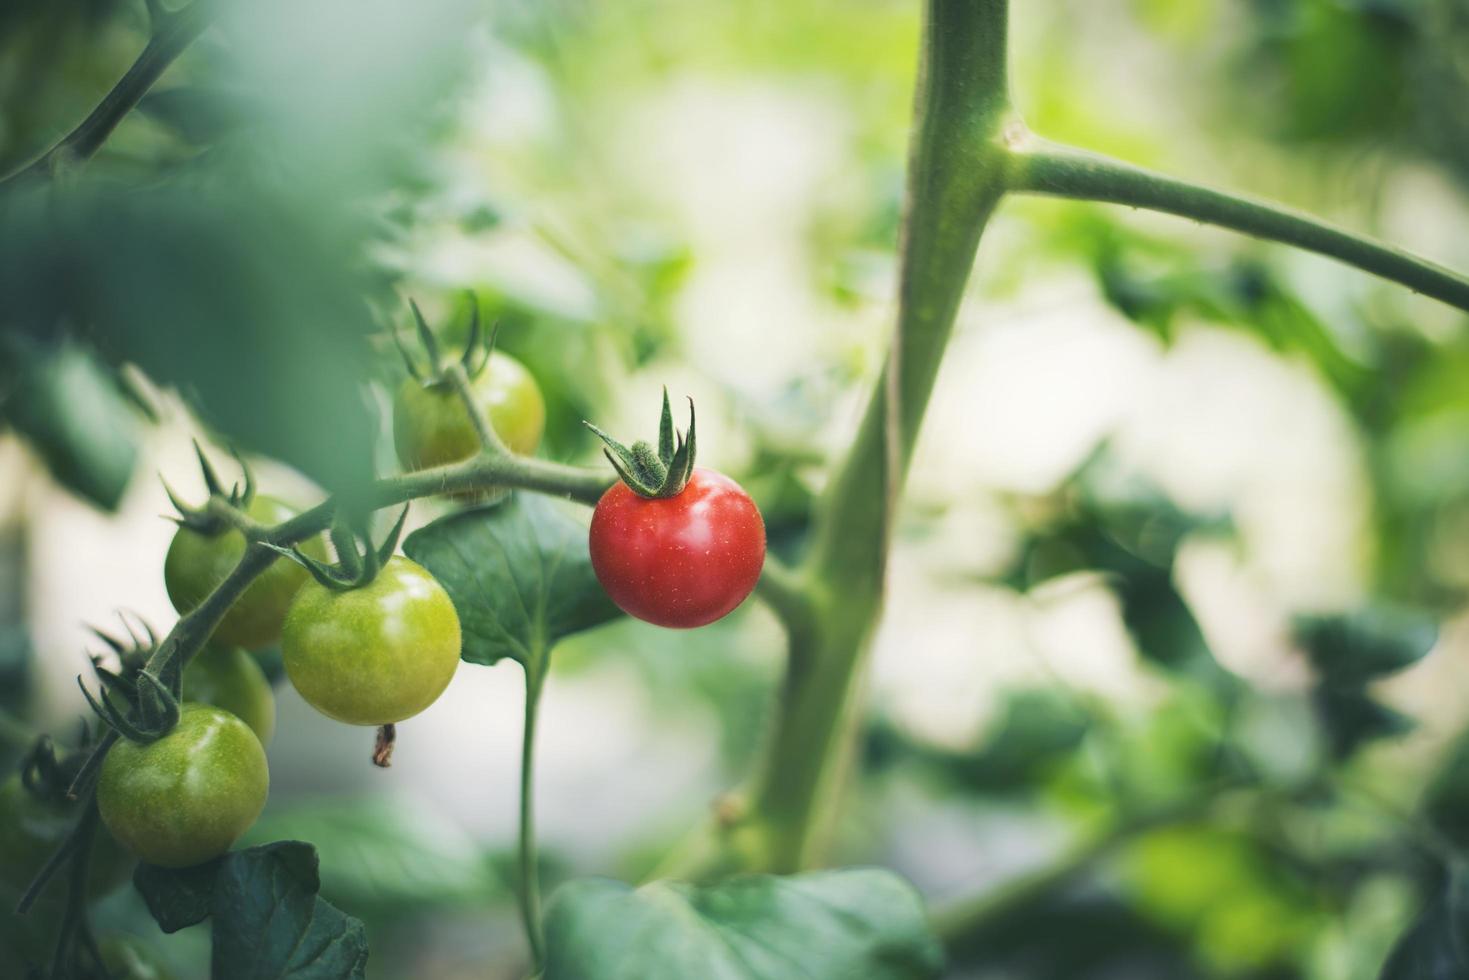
(681, 561)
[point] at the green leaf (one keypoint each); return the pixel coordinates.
(1437, 946)
(520, 576)
(1446, 804)
(269, 923)
(385, 856)
(75, 417)
(830, 925)
(1352, 718)
(177, 897)
(248, 303)
(1349, 651)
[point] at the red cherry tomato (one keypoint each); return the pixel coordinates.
(680, 561)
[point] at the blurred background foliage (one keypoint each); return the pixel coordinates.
(1182, 573)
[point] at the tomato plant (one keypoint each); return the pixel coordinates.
(375, 654)
(246, 261)
(186, 797)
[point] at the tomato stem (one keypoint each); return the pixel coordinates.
(956, 177)
(528, 869)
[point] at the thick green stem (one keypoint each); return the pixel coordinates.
(173, 32)
(529, 890)
(956, 176)
(1064, 172)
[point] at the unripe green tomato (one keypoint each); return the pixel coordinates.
(197, 563)
(229, 678)
(373, 655)
(188, 796)
(30, 829)
(431, 427)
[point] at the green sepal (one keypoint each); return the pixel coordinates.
(473, 359)
(198, 518)
(154, 715)
(651, 475)
(354, 568)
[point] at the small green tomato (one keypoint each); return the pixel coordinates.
(376, 654)
(431, 427)
(229, 678)
(185, 798)
(197, 563)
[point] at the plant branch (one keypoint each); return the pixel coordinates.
(1064, 172)
(172, 33)
(787, 593)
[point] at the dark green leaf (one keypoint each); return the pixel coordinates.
(831, 925)
(269, 923)
(1446, 804)
(1437, 946)
(177, 897)
(1351, 650)
(75, 417)
(519, 573)
(1352, 718)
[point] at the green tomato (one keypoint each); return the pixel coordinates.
(431, 427)
(229, 678)
(197, 563)
(31, 827)
(188, 796)
(373, 655)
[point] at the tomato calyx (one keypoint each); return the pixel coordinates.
(474, 359)
(654, 475)
(354, 569)
(199, 519)
(149, 711)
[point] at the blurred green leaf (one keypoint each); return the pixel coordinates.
(379, 854)
(519, 573)
(1437, 946)
(198, 114)
(250, 302)
(830, 925)
(1351, 650)
(1446, 803)
(1352, 717)
(73, 414)
(1245, 909)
